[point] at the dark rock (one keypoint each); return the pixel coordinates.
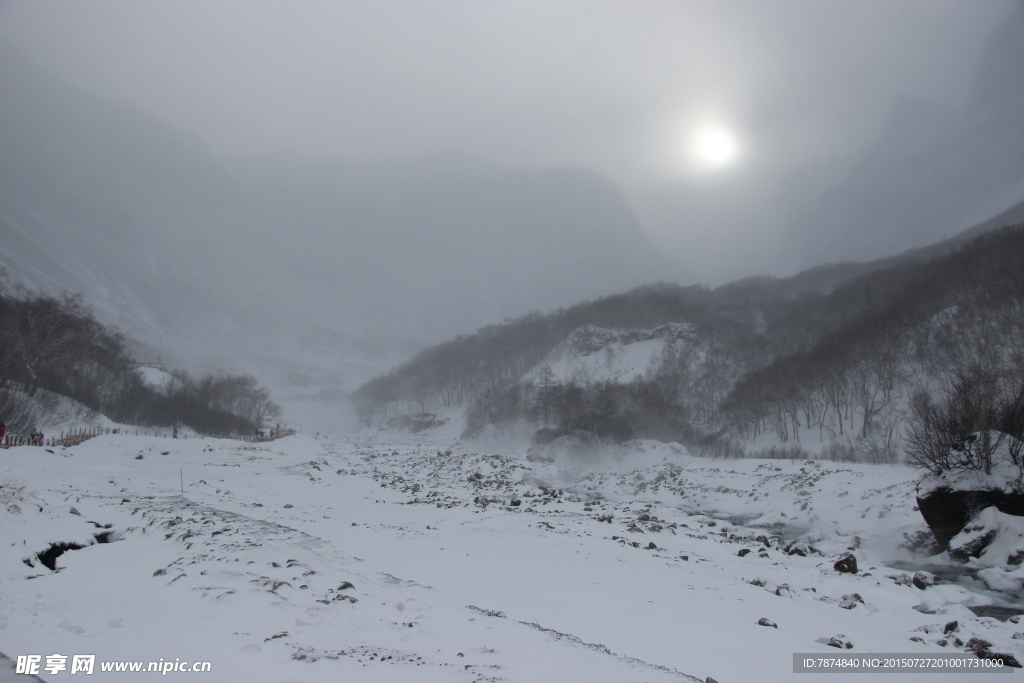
(766, 622)
(764, 539)
(850, 601)
(516, 502)
(652, 546)
(840, 642)
(983, 650)
(964, 551)
(288, 505)
(847, 564)
(712, 523)
(1006, 657)
(743, 551)
(801, 549)
(947, 512)
(950, 627)
(923, 579)
(977, 646)
(139, 456)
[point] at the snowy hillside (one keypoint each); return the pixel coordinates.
(155, 376)
(598, 354)
(379, 558)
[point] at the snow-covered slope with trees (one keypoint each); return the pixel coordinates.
(597, 354)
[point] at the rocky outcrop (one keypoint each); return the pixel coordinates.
(847, 564)
(947, 510)
(992, 537)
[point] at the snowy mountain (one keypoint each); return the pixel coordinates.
(775, 366)
(313, 276)
(447, 243)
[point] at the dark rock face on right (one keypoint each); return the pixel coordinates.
(947, 511)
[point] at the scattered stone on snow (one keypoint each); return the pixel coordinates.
(851, 600)
(847, 564)
(840, 641)
(923, 579)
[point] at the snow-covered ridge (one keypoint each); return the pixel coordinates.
(600, 354)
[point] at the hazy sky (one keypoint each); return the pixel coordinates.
(715, 94)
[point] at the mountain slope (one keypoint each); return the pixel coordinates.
(763, 365)
(311, 275)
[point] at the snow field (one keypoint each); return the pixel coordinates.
(450, 580)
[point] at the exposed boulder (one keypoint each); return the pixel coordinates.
(983, 650)
(847, 564)
(851, 600)
(993, 537)
(948, 501)
(799, 548)
(923, 579)
(840, 641)
(947, 511)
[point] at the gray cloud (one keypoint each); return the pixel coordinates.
(601, 84)
(617, 87)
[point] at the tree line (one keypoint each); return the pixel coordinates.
(865, 366)
(53, 346)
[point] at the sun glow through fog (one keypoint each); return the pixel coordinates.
(713, 147)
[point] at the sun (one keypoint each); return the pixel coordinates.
(714, 147)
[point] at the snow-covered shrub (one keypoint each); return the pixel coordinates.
(965, 430)
(12, 494)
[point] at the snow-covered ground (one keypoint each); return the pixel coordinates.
(389, 557)
(155, 376)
